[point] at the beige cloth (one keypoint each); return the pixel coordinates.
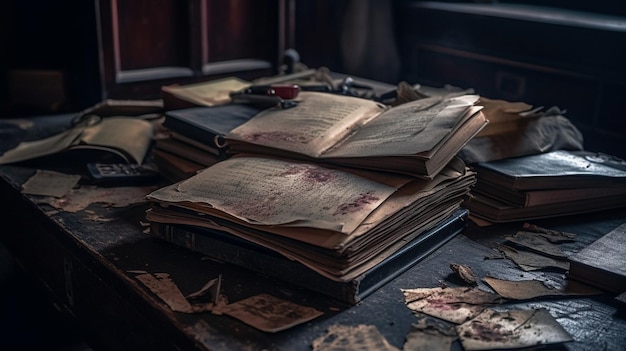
(550, 132)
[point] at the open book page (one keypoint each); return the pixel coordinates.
(128, 135)
(417, 206)
(318, 122)
(410, 189)
(412, 192)
(47, 146)
(276, 192)
(407, 129)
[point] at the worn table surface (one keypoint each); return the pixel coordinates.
(85, 259)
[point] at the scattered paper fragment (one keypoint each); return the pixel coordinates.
(530, 289)
(465, 273)
(537, 243)
(50, 183)
(212, 287)
(431, 334)
(161, 285)
(511, 329)
(78, 199)
(455, 305)
(269, 313)
(348, 338)
(554, 236)
(531, 261)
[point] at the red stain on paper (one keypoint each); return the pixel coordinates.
(276, 137)
(311, 174)
(254, 209)
(358, 204)
(443, 305)
(489, 332)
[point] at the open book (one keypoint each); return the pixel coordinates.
(416, 138)
(338, 222)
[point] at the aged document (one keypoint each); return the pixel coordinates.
(318, 122)
(275, 192)
(211, 93)
(407, 129)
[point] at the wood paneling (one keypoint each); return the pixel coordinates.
(145, 44)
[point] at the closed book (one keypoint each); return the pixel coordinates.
(187, 151)
(229, 248)
(603, 262)
(559, 169)
(497, 211)
(208, 125)
(529, 198)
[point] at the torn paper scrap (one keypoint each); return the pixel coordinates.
(161, 285)
(554, 236)
(212, 288)
(78, 199)
(269, 313)
(530, 289)
(430, 334)
(352, 338)
(50, 183)
(531, 261)
(537, 243)
(511, 329)
(455, 305)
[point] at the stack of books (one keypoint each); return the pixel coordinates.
(549, 184)
(195, 137)
(342, 193)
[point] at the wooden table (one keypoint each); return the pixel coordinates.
(86, 264)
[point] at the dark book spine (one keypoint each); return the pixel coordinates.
(238, 252)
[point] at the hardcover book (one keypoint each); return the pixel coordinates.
(603, 262)
(531, 198)
(336, 221)
(228, 248)
(561, 169)
(417, 138)
(494, 210)
(550, 184)
(208, 125)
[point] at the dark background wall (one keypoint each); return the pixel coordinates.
(575, 67)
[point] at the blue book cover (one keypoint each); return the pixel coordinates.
(208, 125)
(228, 248)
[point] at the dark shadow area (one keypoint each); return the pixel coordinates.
(28, 320)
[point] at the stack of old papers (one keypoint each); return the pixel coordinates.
(331, 191)
(337, 222)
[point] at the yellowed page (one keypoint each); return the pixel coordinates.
(211, 93)
(318, 122)
(407, 129)
(131, 135)
(48, 146)
(275, 192)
